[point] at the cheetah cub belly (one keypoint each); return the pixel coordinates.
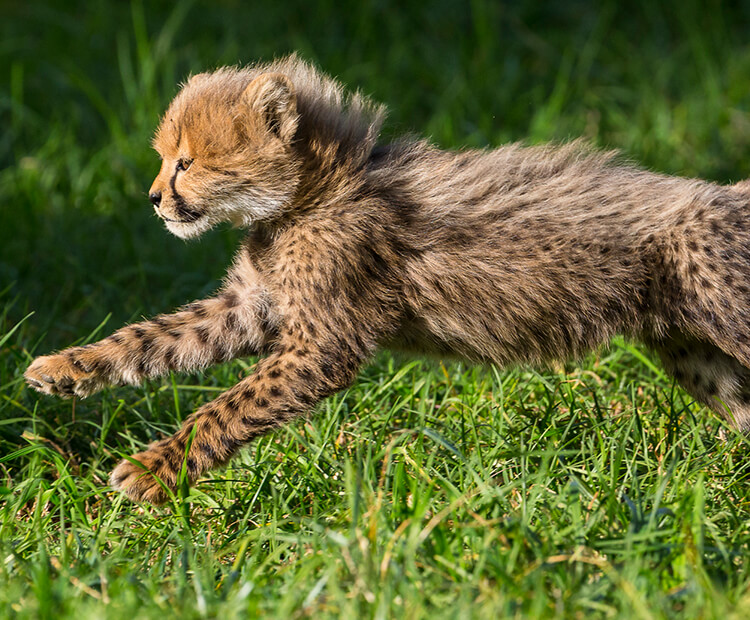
(512, 255)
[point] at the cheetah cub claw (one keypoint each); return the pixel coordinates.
(65, 375)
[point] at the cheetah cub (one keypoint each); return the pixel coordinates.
(511, 255)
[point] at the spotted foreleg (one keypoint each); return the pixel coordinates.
(285, 385)
(234, 323)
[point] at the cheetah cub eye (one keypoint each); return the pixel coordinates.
(183, 165)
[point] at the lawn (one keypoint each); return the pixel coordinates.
(593, 489)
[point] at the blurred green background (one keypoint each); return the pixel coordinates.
(82, 85)
(594, 489)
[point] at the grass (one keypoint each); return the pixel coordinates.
(594, 489)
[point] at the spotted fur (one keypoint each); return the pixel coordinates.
(519, 254)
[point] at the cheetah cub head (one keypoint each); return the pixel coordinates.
(226, 145)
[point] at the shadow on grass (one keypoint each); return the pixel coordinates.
(74, 269)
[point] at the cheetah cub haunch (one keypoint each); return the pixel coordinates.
(512, 255)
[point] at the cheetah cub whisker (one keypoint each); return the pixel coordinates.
(515, 255)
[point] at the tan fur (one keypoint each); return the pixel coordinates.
(513, 255)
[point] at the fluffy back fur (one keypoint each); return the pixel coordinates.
(519, 254)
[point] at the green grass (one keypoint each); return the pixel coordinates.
(598, 489)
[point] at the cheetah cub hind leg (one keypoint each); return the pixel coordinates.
(710, 375)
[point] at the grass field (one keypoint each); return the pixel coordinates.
(597, 489)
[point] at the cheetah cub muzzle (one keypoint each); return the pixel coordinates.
(516, 255)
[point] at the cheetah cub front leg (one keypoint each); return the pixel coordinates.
(299, 372)
(202, 333)
(198, 335)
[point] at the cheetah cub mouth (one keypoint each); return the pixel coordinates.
(187, 228)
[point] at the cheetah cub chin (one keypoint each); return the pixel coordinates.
(515, 255)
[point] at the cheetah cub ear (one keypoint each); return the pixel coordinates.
(273, 105)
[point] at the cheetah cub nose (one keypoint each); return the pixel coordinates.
(155, 198)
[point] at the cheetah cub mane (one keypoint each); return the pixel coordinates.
(236, 144)
(512, 255)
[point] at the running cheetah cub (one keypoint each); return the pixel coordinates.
(506, 256)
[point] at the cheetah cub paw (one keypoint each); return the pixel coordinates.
(144, 481)
(64, 374)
